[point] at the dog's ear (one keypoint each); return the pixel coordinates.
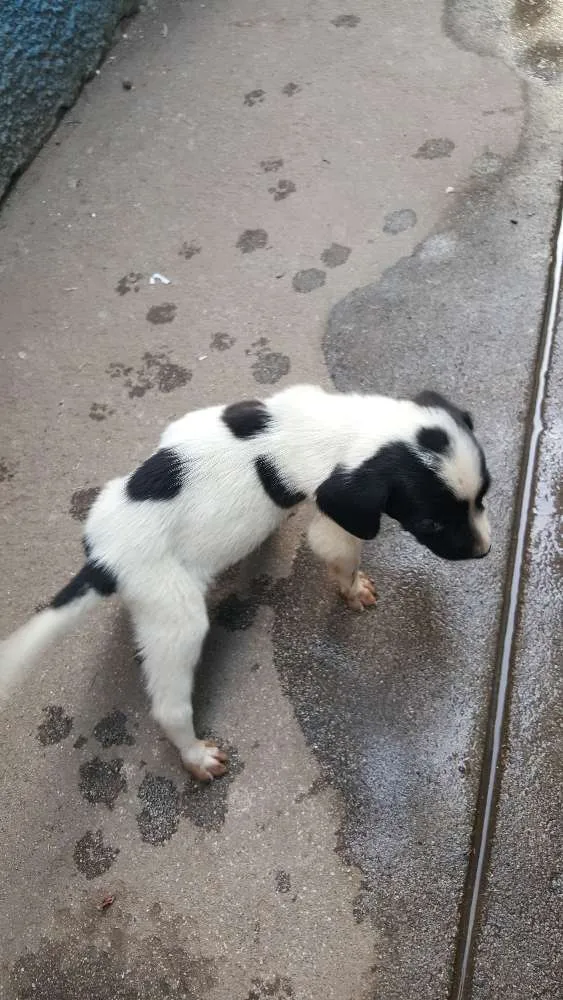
(433, 399)
(356, 498)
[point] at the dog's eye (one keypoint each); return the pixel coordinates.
(430, 527)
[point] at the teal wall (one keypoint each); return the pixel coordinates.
(48, 48)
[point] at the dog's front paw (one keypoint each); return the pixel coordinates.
(362, 593)
(205, 761)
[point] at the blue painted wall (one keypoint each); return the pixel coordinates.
(48, 48)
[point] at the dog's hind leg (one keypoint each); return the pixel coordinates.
(341, 552)
(170, 619)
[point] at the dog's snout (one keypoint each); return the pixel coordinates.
(482, 536)
(481, 552)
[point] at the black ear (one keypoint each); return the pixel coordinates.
(435, 399)
(356, 498)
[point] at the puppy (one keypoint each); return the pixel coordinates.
(221, 481)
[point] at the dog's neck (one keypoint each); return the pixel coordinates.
(320, 431)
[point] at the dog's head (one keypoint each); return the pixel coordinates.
(432, 478)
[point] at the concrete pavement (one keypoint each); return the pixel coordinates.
(361, 197)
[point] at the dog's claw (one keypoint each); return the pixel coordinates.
(362, 595)
(205, 761)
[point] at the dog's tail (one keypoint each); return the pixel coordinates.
(21, 650)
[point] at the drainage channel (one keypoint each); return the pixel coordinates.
(498, 710)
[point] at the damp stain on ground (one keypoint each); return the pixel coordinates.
(251, 240)
(159, 818)
(399, 221)
(277, 988)
(221, 342)
(290, 89)
(236, 613)
(544, 60)
(308, 280)
(111, 731)
(81, 502)
(100, 411)
(271, 166)
(156, 371)
(487, 163)
(129, 282)
(282, 881)
(346, 21)
(282, 190)
(100, 957)
(56, 725)
(527, 13)
(270, 366)
(163, 313)
(7, 470)
(167, 376)
(335, 255)
(434, 149)
(189, 249)
(254, 97)
(102, 781)
(206, 805)
(92, 856)
(318, 785)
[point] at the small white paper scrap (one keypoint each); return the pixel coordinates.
(159, 277)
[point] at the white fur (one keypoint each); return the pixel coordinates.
(165, 554)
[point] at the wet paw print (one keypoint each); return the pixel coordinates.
(100, 411)
(155, 371)
(7, 470)
(282, 190)
(93, 857)
(189, 250)
(56, 725)
(251, 240)
(269, 365)
(221, 342)
(308, 280)
(277, 988)
(434, 149)
(164, 313)
(272, 165)
(81, 502)
(128, 282)
(346, 21)
(254, 97)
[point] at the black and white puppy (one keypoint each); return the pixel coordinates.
(222, 480)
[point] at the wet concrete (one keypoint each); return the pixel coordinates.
(519, 950)
(330, 865)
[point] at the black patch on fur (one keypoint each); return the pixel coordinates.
(435, 399)
(247, 418)
(92, 576)
(433, 439)
(159, 478)
(356, 498)
(427, 508)
(396, 481)
(279, 491)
